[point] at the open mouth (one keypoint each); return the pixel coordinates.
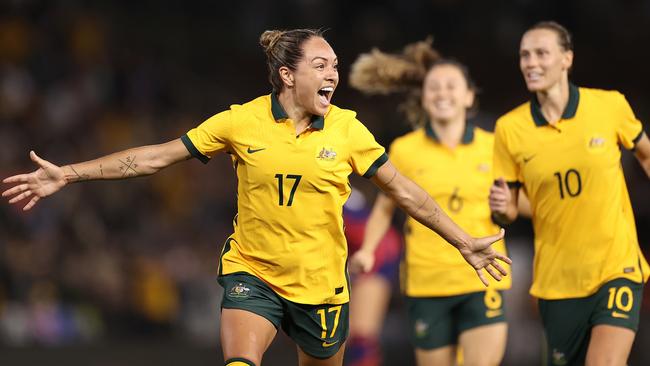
(326, 94)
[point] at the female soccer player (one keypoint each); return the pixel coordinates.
(284, 265)
(371, 290)
(563, 148)
(452, 160)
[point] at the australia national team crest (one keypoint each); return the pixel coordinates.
(421, 328)
(239, 292)
(558, 358)
(326, 154)
(596, 143)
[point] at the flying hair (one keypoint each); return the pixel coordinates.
(377, 72)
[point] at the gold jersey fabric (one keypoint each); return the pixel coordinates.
(291, 189)
(459, 180)
(584, 226)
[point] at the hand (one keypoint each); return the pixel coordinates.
(500, 197)
(480, 255)
(362, 261)
(44, 181)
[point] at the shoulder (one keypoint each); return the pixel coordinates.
(601, 97)
(599, 93)
(518, 115)
(410, 137)
(341, 117)
(260, 104)
(483, 136)
(406, 141)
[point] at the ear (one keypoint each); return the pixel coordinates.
(567, 60)
(469, 98)
(287, 76)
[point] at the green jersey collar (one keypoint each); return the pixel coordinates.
(317, 122)
(569, 111)
(468, 134)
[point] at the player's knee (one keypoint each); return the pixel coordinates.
(239, 362)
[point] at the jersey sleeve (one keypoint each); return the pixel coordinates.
(628, 129)
(210, 137)
(396, 155)
(504, 163)
(366, 155)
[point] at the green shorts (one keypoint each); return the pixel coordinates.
(568, 322)
(438, 321)
(319, 330)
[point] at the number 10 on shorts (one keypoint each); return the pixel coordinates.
(621, 297)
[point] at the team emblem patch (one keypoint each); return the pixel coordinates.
(421, 328)
(596, 143)
(326, 154)
(239, 292)
(483, 168)
(558, 358)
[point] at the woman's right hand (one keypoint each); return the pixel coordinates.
(500, 197)
(362, 261)
(44, 181)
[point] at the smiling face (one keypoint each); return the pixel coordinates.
(446, 95)
(543, 61)
(315, 78)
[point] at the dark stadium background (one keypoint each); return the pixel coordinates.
(122, 273)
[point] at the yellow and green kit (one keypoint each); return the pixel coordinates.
(459, 179)
(571, 171)
(288, 231)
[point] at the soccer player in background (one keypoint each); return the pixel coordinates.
(451, 159)
(284, 265)
(372, 290)
(563, 148)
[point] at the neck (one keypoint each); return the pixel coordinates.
(449, 133)
(298, 114)
(554, 100)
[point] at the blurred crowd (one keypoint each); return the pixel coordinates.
(115, 260)
(102, 259)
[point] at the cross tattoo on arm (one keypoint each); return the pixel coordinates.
(128, 167)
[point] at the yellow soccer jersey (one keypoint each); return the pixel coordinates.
(459, 180)
(582, 217)
(289, 227)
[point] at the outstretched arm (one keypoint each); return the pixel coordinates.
(419, 205)
(50, 178)
(642, 153)
(376, 226)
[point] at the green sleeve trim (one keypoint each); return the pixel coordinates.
(376, 165)
(193, 150)
(515, 184)
(637, 139)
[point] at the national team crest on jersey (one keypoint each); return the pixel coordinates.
(327, 154)
(239, 292)
(483, 167)
(596, 144)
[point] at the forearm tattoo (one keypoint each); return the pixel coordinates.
(422, 204)
(392, 178)
(434, 217)
(78, 177)
(128, 167)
